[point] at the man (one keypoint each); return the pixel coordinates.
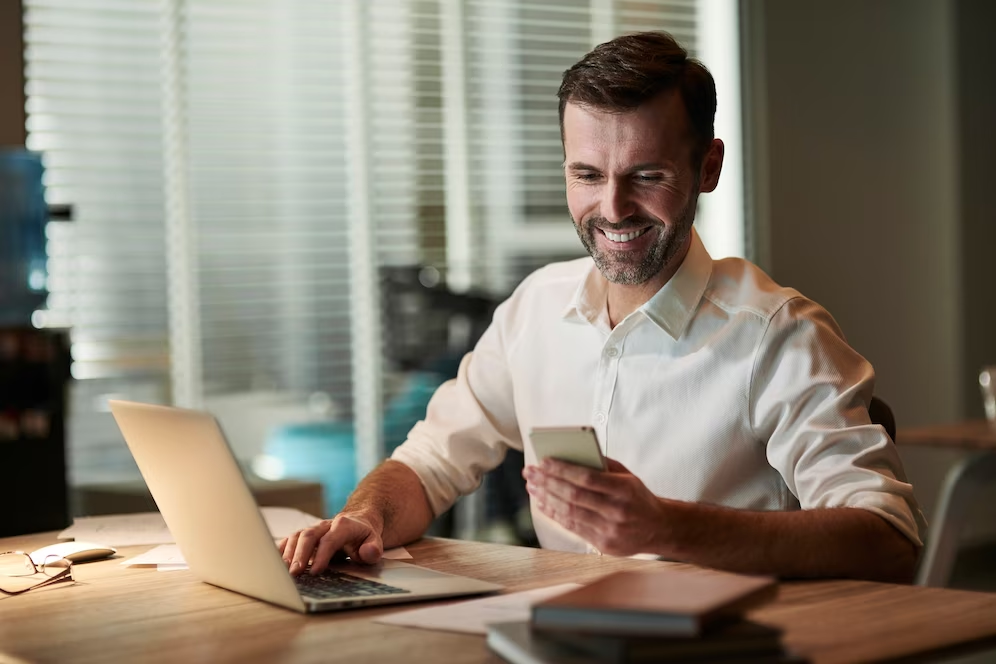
(724, 401)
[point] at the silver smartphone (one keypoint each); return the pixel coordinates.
(572, 444)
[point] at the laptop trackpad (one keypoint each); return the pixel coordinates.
(406, 572)
(390, 570)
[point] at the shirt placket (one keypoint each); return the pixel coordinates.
(605, 385)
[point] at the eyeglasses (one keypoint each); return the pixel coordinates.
(19, 573)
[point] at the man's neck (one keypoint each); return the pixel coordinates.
(622, 299)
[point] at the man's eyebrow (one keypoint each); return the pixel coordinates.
(647, 166)
(650, 166)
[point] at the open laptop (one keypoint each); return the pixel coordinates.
(200, 490)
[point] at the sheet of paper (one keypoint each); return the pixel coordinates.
(164, 554)
(282, 521)
(167, 557)
(150, 528)
(473, 616)
(120, 529)
(397, 553)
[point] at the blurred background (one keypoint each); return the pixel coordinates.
(299, 215)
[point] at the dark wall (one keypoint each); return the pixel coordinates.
(862, 174)
(11, 75)
(976, 81)
(875, 151)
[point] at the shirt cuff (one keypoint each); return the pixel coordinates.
(438, 489)
(893, 509)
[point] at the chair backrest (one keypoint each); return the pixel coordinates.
(880, 413)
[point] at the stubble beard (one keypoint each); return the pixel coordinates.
(628, 268)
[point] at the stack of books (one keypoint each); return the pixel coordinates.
(647, 616)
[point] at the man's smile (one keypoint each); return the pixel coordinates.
(624, 237)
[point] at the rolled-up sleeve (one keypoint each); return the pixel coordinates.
(809, 396)
(469, 425)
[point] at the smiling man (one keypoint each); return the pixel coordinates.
(633, 200)
(733, 413)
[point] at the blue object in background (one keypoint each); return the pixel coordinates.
(23, 215)
(326, 451)
(409, 406)
(320, 451)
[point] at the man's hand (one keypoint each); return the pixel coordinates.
(615, 512)
(358, 536)
(612, 510)
(389, 508)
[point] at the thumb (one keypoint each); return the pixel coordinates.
(614, 466)
(371, 550)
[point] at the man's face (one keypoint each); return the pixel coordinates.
(631, 186)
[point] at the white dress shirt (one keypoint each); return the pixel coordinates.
(723, 388)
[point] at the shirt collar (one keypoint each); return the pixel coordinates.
(671, 308)
(588, 303)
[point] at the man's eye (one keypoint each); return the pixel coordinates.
(648, 177)
(586, 177)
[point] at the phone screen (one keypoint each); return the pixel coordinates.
(572, 444)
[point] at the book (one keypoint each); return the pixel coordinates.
(520, 643)
(516, 642)
(736, 640)
(663, 602)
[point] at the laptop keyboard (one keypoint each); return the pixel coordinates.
(330, 585)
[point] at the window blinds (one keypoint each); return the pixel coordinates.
(94, 110)
(242, 172)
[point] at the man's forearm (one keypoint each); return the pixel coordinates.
(839, 542)
(392, 494)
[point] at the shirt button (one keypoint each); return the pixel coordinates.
(600, 418)
(612, 351)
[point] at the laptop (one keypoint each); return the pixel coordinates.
(205, 501)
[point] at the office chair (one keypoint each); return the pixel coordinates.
(957, 496)
(880, 413)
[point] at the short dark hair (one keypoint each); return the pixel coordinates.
(630, 70)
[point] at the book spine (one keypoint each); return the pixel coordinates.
(620, 623)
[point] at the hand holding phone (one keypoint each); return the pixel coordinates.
(576, 445)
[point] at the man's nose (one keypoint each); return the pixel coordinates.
(617, 202)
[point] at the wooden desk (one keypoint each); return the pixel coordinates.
(958, 493)
(115, 614)
(134, 496)
(969, 435)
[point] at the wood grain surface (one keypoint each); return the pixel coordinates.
(968, 435)
(116, 614)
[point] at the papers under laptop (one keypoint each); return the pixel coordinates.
(201, 493)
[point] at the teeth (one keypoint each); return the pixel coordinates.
(624, 237)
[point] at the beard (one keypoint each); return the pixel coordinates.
(631, 268)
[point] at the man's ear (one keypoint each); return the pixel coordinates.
(712, 165)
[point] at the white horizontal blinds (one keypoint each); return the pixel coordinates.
(516, 54)
(677, 17)
(429, 126)
(393, 55)
(426, 22)
(402, 74)
(266, 138)
(93, 101)
(92, 72)
(547, 38)
(407, 161)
